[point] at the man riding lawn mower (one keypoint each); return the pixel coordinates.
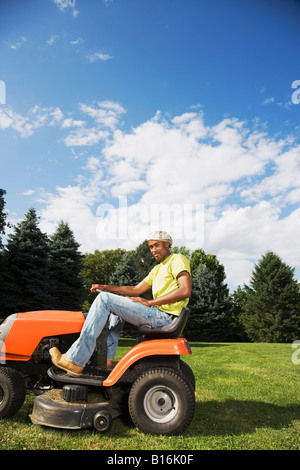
(150, 380)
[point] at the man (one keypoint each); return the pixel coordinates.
(171, 288)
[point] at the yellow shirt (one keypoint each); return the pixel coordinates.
(163, 279)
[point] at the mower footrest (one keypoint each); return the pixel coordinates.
(94, 379)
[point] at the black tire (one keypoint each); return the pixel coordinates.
(161, 401)
(12, 392)
(189, 374)
(102, 421)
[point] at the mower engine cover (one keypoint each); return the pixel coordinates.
(21, 333)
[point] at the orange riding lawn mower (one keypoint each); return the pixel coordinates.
(151, 381)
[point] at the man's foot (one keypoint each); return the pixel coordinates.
(103, 367)
(60, 361)
(108, 366)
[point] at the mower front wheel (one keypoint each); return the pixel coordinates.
(12, 392)
(102, 421)
(162, 401)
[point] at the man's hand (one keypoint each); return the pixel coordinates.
(96, 287)
(122, 290)
(183, 291)
(141, 301)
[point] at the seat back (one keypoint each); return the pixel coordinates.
(172, 330)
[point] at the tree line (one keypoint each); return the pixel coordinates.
(41, 272)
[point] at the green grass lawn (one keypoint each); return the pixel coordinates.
(247, 398)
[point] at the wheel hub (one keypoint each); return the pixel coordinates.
(161, 404)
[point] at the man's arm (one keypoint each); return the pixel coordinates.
(134, 291)
(183, 291)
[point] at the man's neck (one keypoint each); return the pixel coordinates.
(165, 257)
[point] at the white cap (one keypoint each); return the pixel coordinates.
(160, 235)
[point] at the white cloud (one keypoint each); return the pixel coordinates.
(164, 172)
(268, 100)
(65, 4)
(69, 122)
(18, 44)
(184, 159)
(76, 41)
(73, 204)
(105, 113)
(93, 164)
(53, 38)
(284, 179)
(26, 125)
(186, 162)
(287, 104)
(85, 137)
(23, 125)
(6, 118)
(293, 197)
(103, 56)
(242, 235)
(29, 192)
(105, 118)
(57, 115)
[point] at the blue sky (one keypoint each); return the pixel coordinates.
(125, 115)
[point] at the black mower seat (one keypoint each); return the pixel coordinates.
(172, 330)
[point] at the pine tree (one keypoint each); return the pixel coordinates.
(238, 302)
(143, 259)
(210, 261)
(65, 263)
(26, 277)
(97, 268)
(209, 303)
(272, 312)
(3, 215)
(126, 274)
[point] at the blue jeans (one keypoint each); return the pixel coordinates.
(114, 327)
(105, 303)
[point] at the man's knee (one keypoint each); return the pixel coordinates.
(102, 299)
(106, 298)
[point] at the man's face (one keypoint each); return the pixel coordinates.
(160, 250)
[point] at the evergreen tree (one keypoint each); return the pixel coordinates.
(3, 215)
(144, 262)
(97, 268)
(209, 303)
(126, 274)
(65, 263)
(272, 311)
(26, 277)
(238, 301)
(199, 257)
(183, 250)
(143, 259)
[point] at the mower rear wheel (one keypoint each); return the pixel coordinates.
(162, 401)
(12, 392)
